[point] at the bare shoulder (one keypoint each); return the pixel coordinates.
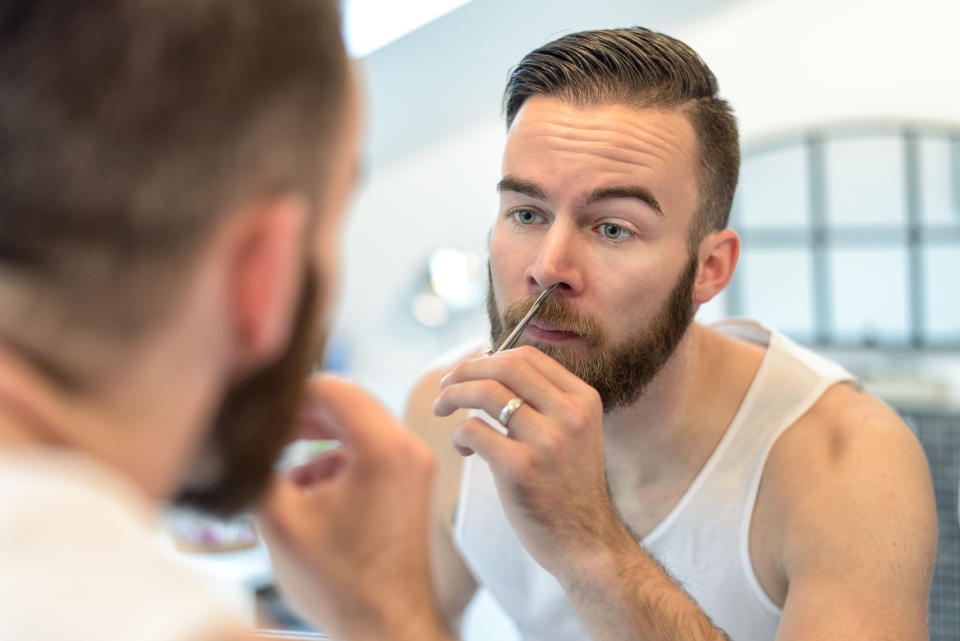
(437, 431)
(454, 586)
(849, 450)
(846, 501)
(419, 416)
(849, 432)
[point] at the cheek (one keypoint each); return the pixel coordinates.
(629, 289)
(507, 268)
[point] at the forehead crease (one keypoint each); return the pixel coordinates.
(628, 156)
(616, 133)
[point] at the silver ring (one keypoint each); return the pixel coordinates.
(507, 412)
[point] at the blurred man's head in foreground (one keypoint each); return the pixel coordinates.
(134, 136)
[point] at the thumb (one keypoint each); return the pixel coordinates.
(338, 409)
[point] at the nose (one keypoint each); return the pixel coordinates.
(558, 260)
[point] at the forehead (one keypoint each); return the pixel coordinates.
(570, 149)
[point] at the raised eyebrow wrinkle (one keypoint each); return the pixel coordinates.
(525, 187)
(640, 193)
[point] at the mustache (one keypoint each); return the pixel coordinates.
(559, 314)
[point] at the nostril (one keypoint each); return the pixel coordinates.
(553, 284)
(535, 285)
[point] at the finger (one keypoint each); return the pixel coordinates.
(475, 435)
(491, 397)
(337, 409)
(288, 508)
(535, 384)
(318, 469)
(529, 358)
(270, 517)
(546, 366)
(311, 427)
(549, 367)
(487, 394)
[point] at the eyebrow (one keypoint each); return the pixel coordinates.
(532, 190)
(629, 191)
(524, 187)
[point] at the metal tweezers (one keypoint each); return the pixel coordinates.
(512, 338)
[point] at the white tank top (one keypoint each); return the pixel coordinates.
(702, 542)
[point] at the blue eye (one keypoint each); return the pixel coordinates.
(526, 217)
(614, 231)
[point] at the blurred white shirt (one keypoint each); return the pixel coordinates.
(79, 559)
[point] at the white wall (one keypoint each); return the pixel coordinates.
(788, 64)
(436, 137)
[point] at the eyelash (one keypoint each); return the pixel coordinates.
(629, 234)
(515, 215)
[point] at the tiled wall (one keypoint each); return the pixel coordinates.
(940, 436)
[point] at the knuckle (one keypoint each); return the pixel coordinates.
(465, 431)
(453, 375)
(557, 444)
(593, 400)
(579, 419)
(443, 395)
(527, 352)
(490, 388)
(524, 465)
(551, 444)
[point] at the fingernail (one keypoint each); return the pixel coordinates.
(446, 377)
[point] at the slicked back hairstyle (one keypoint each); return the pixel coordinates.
(641, 68)
(128, 128)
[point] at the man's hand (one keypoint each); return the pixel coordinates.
(550, 475)
(348, 532)
(549, 469)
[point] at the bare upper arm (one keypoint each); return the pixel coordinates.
(848, 499)
(453, 582)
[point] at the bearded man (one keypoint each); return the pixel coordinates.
(172, 177)
(648, 477)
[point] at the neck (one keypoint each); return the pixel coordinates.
(671, 430)
(122, 421)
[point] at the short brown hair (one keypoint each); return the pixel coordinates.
(127, 129)
(644, 69)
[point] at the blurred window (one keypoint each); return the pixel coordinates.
(851, 237)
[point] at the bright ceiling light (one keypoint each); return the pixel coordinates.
(371, 24)
(455, 277)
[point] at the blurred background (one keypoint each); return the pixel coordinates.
(849, 201)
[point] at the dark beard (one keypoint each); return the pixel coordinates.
(619, 373)
(254, 423)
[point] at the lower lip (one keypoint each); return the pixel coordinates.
(552, 336)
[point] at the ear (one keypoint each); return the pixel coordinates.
(266, 273)
(717, 255)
